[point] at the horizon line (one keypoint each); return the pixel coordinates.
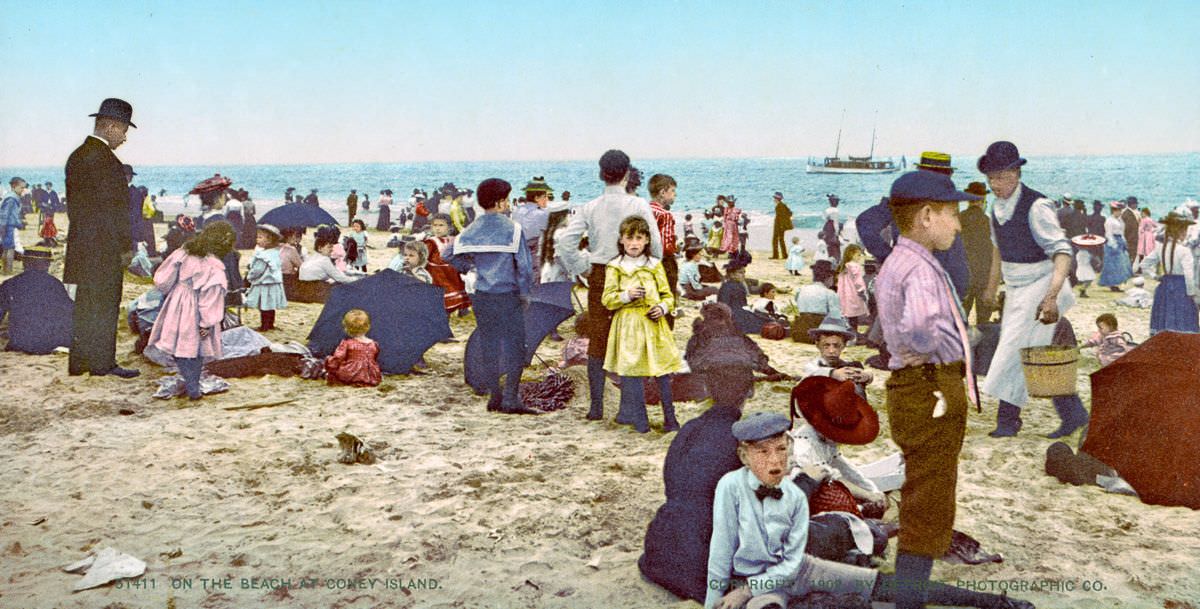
(568, 160)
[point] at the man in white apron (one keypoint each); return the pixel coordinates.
(1034, 257)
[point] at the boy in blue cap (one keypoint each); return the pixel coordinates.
(925, 330)
(756, 556)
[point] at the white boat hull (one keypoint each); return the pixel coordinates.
(823, 169)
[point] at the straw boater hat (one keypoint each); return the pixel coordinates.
(270, 229)
(835, 410)
(935, 161)
(1116, 205)
(832, 325)
(1088, 240)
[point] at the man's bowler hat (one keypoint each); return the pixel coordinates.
(1000, 156)
(117, 109)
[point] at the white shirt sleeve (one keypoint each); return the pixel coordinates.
(1049, 235)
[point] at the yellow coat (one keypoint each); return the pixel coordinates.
(638, 345)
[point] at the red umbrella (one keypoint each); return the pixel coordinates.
(217, 182)
(1144, 419)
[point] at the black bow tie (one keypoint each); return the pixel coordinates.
(762, 492)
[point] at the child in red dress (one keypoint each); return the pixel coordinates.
(356, 360)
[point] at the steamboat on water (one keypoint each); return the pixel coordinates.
(854, 164)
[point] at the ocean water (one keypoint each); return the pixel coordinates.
(1160, 182)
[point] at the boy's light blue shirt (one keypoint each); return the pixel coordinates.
(762, 541)
(493, 245)
(689, 275)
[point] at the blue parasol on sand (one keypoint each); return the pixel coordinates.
(407, 318)
(549, 305)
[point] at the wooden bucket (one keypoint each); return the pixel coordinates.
(1050, 371)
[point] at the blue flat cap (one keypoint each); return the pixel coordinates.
(760, 426)
(919, 186)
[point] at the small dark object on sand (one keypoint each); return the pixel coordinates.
(354, 450)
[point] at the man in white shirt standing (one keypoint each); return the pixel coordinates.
(600, 220)
(1034, 257)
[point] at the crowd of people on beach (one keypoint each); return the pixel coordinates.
(759, 509)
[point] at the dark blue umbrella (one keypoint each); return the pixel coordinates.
(407, 318)
(549, 305)
(297, 216)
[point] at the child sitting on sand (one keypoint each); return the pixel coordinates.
(815, 301)
(825, 413)
(266, 277)
(831, 338)
(291, 252)
(444, 276)
(690, 285)
(1136, 295)
(356, 360)
(639, 342)
(765, 303)
(713, 245)
(318, 266)
(760, 530)
(1109, 341)
(439, 227)
(411, 261)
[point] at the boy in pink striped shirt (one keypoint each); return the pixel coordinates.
(924, 328)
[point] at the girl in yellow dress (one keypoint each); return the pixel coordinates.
(640, 343)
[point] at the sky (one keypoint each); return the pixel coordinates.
(292, 82)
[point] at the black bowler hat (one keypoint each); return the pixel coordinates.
(129, 169)
(118, 109)
(1000, 156)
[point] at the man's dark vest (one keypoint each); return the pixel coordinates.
(1014, 238)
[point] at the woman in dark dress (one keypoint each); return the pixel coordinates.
(676, 547)
(384, 222)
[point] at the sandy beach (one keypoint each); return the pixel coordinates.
(250, 508)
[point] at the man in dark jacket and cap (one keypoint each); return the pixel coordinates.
(783, 224)
(99, 245)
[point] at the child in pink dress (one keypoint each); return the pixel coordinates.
(852, 286)
(192, 280)
(356, 360)
(1147, 231)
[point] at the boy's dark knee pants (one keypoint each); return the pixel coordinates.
(501, 324)
(930, 446)
(599, 317)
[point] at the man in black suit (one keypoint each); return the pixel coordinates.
(98, 241)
